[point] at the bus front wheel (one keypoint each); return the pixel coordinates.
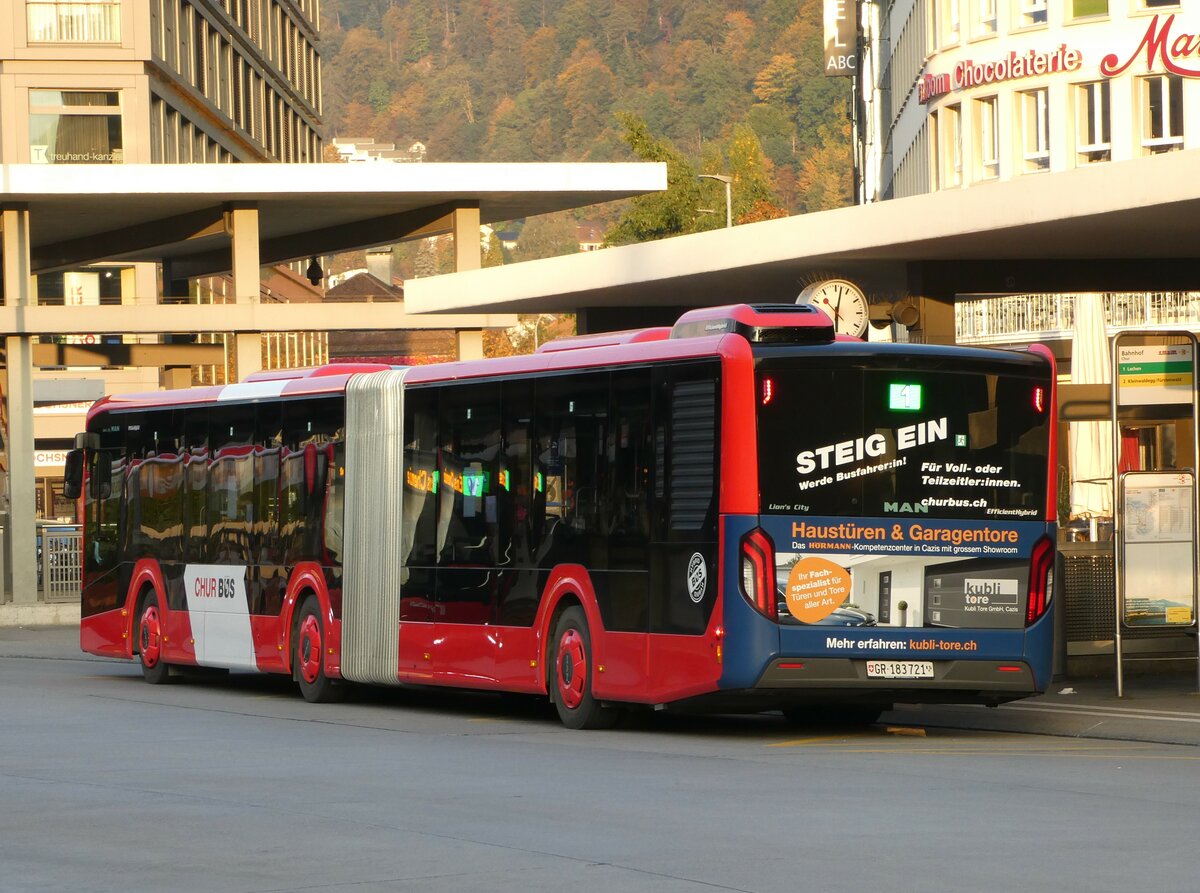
(155, 670)
(571, 675)
(308, 657)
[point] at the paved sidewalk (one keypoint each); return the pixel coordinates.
(1156, 708)
(1159, 708)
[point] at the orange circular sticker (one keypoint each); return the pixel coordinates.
(815, 588)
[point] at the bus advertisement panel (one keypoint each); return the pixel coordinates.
(909, 516)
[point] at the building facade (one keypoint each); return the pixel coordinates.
(151, 81)
(111, 81)
(962, 94)
(958, 93)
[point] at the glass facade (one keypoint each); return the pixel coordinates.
(93, 22)
(75, 127)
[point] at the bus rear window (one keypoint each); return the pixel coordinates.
(961, 439)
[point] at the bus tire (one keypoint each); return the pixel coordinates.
(308, 656)
(824, 714)
(571, 675)
(155, 670)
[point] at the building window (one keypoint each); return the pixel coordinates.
(948, 16)
(952, 133)
(1092, 127)
(1082, 9)
(984, 12)
(74, 127)
(91, 21)
(1162, 113)
(1158, 4)
(1032, 12)
(987, 140)
(1035, 129)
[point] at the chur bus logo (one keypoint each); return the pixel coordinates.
(912, 508)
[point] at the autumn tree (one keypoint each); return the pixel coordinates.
(751, 174)
(825, 176)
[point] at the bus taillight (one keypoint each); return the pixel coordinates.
(768, 390)
(758, 572)
(1041, 580)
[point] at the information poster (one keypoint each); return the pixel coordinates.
(1157, 566)
(1154, 374)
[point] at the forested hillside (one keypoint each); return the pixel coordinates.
(716, 86)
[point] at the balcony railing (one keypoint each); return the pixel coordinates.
(96, 22)
(1009, 319)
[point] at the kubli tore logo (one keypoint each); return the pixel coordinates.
(912, 508)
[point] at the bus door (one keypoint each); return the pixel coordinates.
(684, 567)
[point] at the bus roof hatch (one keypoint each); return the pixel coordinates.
(759, 323)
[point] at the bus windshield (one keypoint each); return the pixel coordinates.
(909, 438)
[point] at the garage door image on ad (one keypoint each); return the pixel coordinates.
(909, 497)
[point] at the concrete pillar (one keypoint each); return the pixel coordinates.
(469, 344)
(468, 255)
(242, 225)
(468, 250)
(20, 533)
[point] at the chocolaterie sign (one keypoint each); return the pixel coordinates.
(1162, 47)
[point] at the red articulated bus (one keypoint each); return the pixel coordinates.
(739, 512)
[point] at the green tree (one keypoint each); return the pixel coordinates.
(659, 214)
(548, 235)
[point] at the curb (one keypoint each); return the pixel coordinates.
(39, 615)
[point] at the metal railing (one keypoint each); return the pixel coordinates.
(1008, 319)
(97, 22)
(60, 574)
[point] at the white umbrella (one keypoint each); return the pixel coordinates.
(1091, 442)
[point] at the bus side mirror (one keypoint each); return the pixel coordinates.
(73, 475)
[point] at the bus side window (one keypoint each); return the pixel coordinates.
(421, 483)
(334, 516)
(231, 482)
(309, 428)
(469, 461)
(195, 487)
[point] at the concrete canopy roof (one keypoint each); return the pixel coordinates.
(1127, 225)
(85, 213)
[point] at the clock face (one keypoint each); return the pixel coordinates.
(843, 301)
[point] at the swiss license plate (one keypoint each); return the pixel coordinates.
(900, 669)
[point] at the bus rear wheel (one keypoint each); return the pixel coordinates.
(571, 675)
(155, 670)
(308, 656)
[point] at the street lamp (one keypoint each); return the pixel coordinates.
(728, 195)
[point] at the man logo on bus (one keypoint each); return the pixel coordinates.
(697, 577)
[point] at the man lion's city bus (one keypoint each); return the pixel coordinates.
(742, 512)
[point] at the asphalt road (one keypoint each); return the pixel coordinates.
(235, 784)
